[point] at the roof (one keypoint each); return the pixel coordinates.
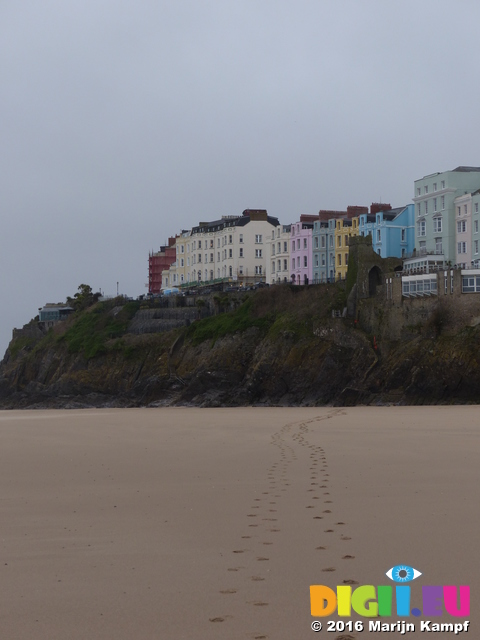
(466, 169)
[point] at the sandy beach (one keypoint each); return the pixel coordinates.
(213, 523)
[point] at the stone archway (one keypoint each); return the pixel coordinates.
(374, 279)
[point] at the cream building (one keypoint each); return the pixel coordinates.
(344, 230)
(278, 254)
(230, 249)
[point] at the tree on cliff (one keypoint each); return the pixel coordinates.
(83, 298)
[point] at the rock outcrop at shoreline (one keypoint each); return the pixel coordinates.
(281, 346)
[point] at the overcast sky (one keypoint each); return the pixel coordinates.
(123, 121)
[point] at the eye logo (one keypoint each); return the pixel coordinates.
(403, 573)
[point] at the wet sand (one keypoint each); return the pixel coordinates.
(204, 524)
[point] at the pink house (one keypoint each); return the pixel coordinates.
(301, 250)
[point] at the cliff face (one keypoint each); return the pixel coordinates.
(279, 347)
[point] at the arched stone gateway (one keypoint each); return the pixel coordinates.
(374, 279)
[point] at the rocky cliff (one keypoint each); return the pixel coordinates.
(279, 347)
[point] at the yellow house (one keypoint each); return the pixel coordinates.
(344, 229)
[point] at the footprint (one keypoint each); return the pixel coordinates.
(320, 548)
(239, 551)
(258, 579)
(267, 542)
(329, 569)
(317, 517)
(228, 591)
(348, 557)
(327, 511)
(261, 559)
(329, 530)
(253, 525)
(344, 538)
(350, 582)
(216, 619)
(340, 523)
(251, 536)
(260, 604)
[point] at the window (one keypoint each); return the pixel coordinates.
(188, 262)
(434, 186)
(279, 265)
(437, 225)
(285, 249)
(418, 210)
(476, 207)
(218, 256)
(230, 253)
(323, 259)
(438, 246)
(465, 209)
(199, 257)
(182, 248)
(258, 253)
(315, 242)
(305, 264)
(475, 246)
(434, 204)
(443, 184)
(298, 244)
(241, 252)
(293, 263)
(425, 189)
(421, 228)
(279, 247)
(458, 210)
(475, 226)
(211, 259)
(339, 241)
(470, 284)
(240, 270)
(322, 242)
(461, 226)
(426, 206)
(461, 247)
(419, 191)
(298, 262)
(404, 235)
(331, 242)
(199, 244)
(316, 260)
(258, 239)
(211, 247)
(285, 265)
(304, 243)
(258, 270)
(443, 202)
(379, 235)
(293, 245)
(240, 239)
(273, 266)
(218, 241)
(206, 258)
(230, 271)
(339, 259)
(230, 239)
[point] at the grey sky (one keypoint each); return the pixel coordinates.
(122, 122)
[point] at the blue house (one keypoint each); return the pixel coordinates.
(392, 231)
